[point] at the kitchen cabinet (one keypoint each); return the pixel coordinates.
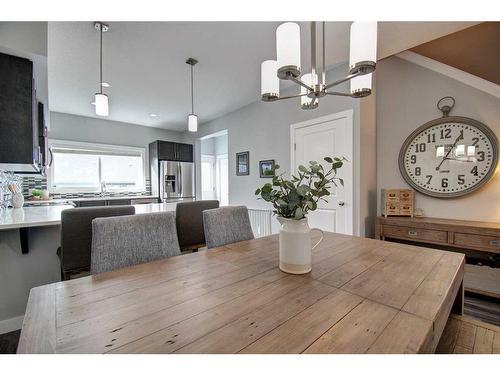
(185, 152)
(18, 129)
(174, 151)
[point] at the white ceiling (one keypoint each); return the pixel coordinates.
(145, 64)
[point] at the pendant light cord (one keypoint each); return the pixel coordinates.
(192, 91)
(323, 78)
(100, 59)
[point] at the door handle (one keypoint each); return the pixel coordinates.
(341, 203)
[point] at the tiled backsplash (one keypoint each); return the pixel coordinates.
(40, 182)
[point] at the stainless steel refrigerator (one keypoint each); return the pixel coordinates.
(176, 181)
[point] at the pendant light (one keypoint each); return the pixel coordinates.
(101, 99)
(192, 118)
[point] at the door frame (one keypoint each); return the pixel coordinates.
(348, 172)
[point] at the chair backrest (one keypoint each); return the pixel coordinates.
(189, 220)
(226, 225)
(76, 233)
(119, 242)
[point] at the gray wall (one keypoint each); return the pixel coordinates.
(87, 129)
(264, 130)
(220, 145)
(406, 98)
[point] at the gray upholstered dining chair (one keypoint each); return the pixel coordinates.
(125, 241)
(76, 236)
(189, 221)
(226, 225)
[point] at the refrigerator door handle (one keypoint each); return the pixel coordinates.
(179, 175)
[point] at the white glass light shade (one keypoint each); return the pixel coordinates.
(460, 150)
(471, 150)
(269, 84)
(101, 105)
(288, 45)
(309, 80)
(361, 83)
(363, 43)
(193, 123)
(440, 151)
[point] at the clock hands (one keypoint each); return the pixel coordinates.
(449, 151)
(464, 161)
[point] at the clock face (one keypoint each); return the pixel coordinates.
(449, 157)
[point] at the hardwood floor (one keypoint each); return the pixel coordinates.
(465, 335)
(482, 308)
(8, 342)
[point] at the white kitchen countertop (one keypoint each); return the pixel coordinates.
(64, 200)
(39, 216)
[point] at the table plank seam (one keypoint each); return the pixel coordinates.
(329, 328)
(232, 321)
(298, 313)
(188, 300)
(176, 278)
(201, 312)
(258, 309)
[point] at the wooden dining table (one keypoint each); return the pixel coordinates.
(362, 296)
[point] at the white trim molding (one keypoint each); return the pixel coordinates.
(447, 70)
(12, 324)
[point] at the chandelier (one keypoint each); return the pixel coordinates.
(287, 66)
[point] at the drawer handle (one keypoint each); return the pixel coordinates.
(412, 233)
(495, 242)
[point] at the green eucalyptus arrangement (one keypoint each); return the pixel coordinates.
(294, 198)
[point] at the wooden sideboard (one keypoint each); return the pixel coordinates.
(479, 241)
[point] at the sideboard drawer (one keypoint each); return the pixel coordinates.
(429, 235)
(478, 242)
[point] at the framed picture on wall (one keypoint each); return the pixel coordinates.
(243, 163)
(266, 168)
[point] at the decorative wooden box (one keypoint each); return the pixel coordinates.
(397, 202)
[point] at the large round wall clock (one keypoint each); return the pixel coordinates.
(449, 156)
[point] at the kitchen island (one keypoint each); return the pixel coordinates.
(19, 272)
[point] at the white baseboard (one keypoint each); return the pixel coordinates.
(12, 324)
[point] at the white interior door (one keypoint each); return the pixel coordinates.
(208, 177)
(314, 140)
(222, 180)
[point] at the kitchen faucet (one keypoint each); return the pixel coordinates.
(103, 188)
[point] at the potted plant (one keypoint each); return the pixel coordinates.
(292, 200)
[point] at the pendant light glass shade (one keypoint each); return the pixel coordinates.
(101, 104)
(361, 85)
(269, 84)
(310, 80)
(288, 45)
(193, 123)
(363, 44)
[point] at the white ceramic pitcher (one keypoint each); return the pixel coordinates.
(295, 245)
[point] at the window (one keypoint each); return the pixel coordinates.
(82, 167)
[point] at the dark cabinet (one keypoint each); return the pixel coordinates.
(173, 151)
(185, 152)
(166, 150)
(18, 130)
